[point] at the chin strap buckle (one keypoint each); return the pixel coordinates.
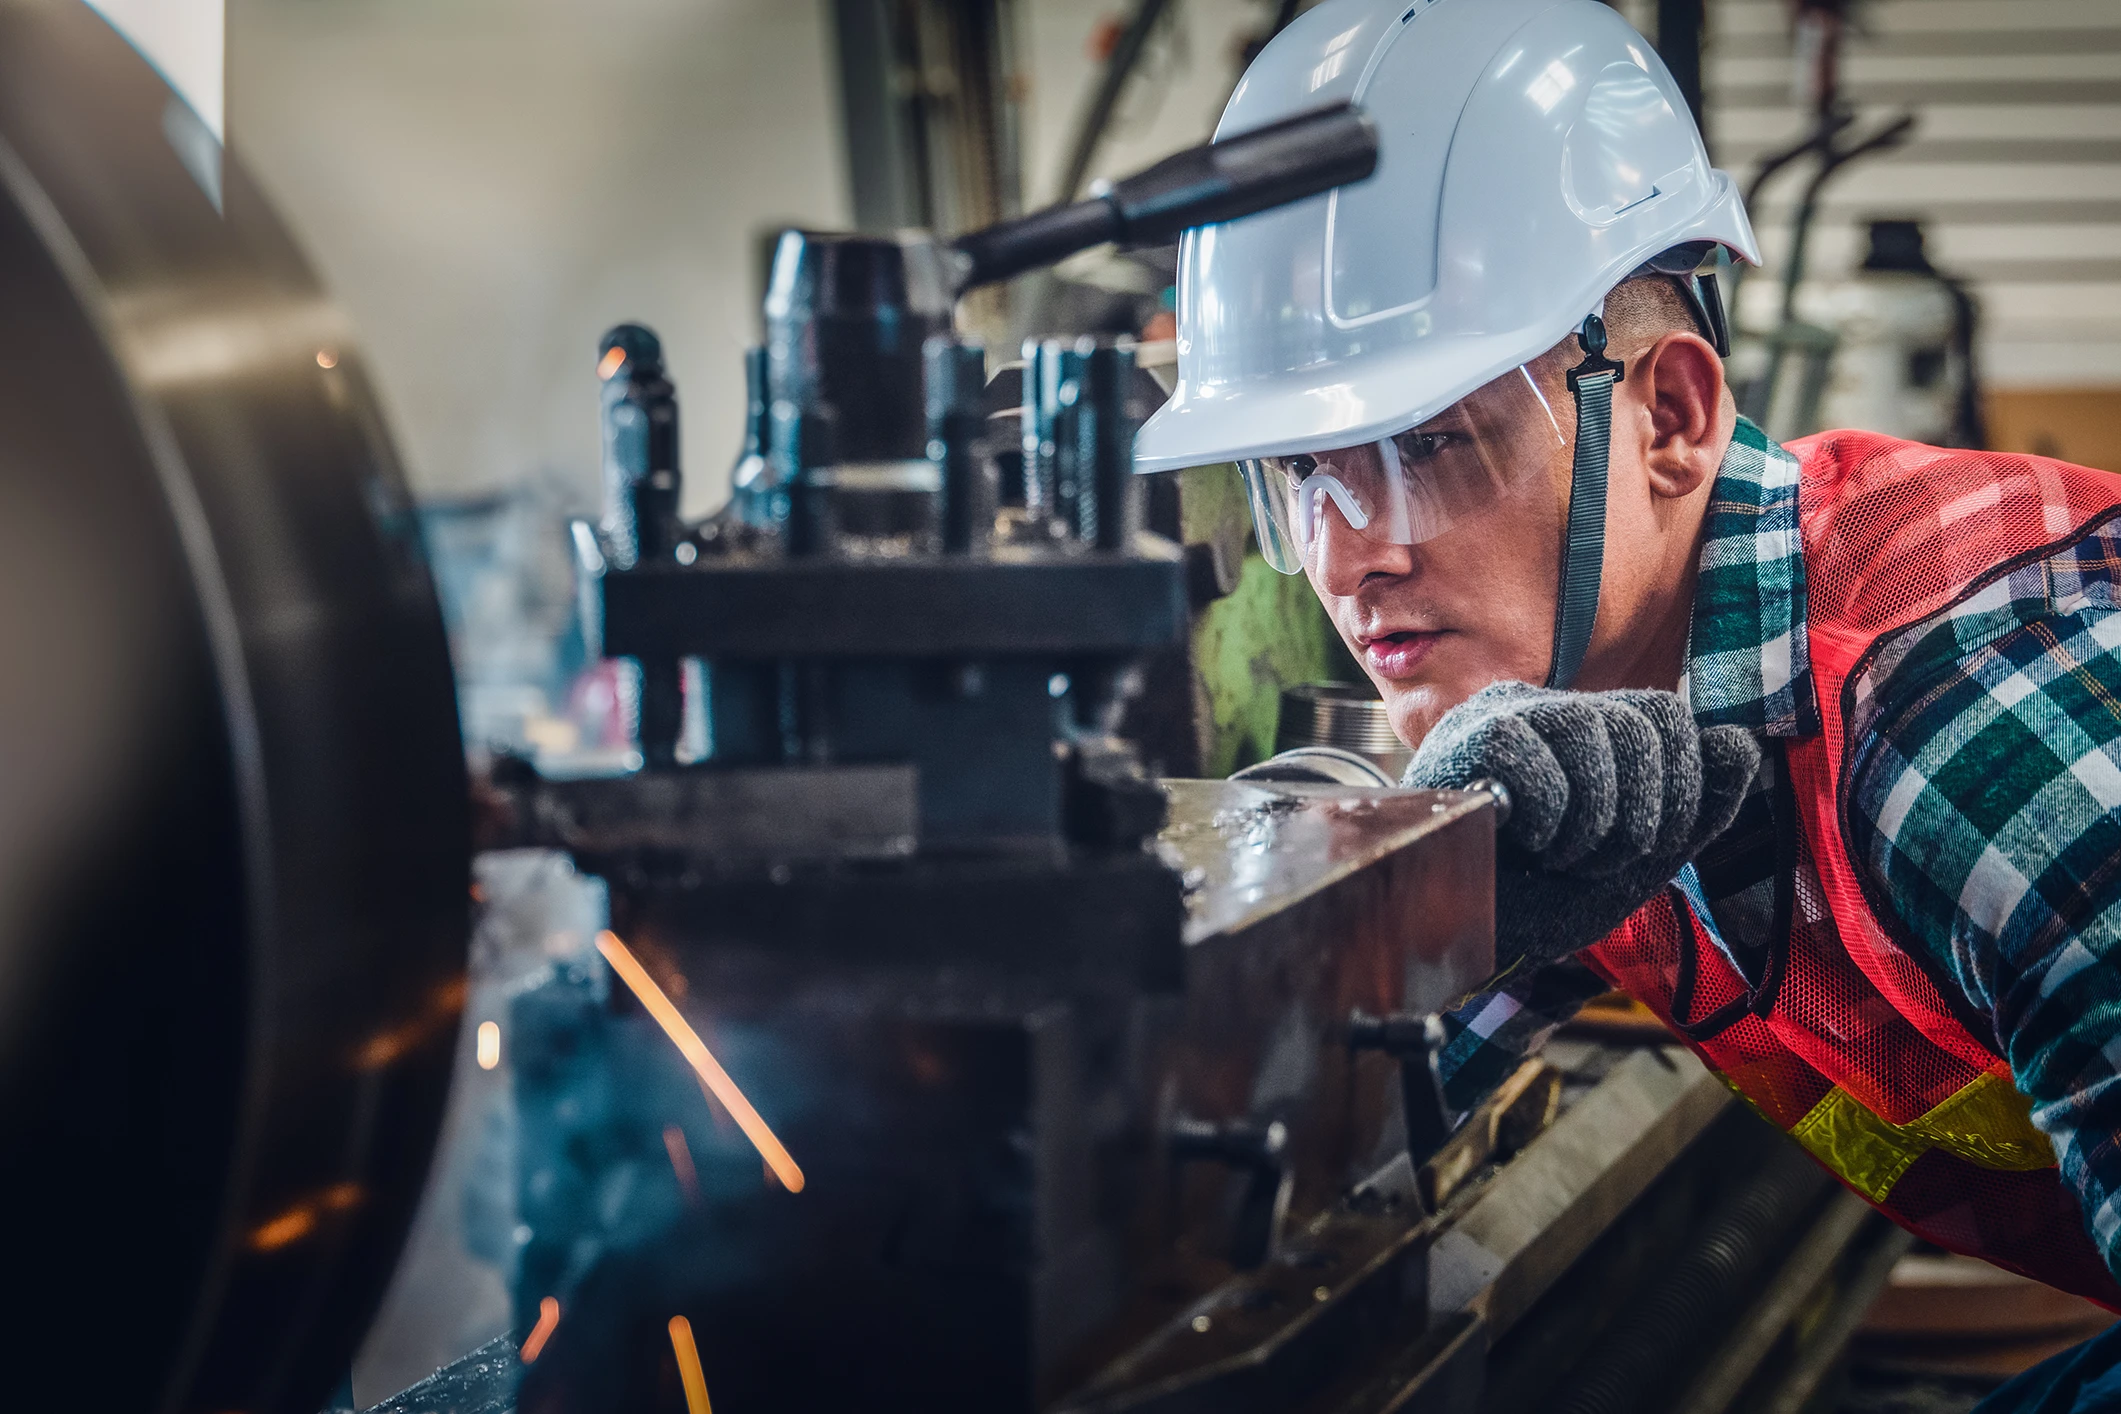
(1591, 338)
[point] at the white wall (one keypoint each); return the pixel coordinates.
(489, 184)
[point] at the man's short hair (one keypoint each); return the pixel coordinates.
(1643, 310)
(1638, 313)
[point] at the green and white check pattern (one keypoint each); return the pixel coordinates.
(1985, 795)
(1748, 664)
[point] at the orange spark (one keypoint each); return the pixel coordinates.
(291, 1226)
(300, 1220)
(681, 1162)
(689, 1366)
(385, 1048)
(489, 1044)
(612, 362)
(701, 1059)
(548, 1317)
(715, 1112)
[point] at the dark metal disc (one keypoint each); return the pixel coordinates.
(233, 835)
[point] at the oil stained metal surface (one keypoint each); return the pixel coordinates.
(1021, 1170)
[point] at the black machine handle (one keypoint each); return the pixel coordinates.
(1218, 181)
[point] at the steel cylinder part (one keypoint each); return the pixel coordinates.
(640, 445)
(1104, 460)
(957, 442)
(751, 481)
(1346, 715)
(847, 317)
(1079, 439)
(1049, 391)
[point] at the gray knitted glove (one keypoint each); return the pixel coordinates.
(1611, 794)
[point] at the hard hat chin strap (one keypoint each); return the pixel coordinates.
(1583, 547)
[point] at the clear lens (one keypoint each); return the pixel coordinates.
(1406, 489)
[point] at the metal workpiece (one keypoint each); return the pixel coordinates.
(1249, 850)
(1308, 905)
(234, 818)
(1024, 1155)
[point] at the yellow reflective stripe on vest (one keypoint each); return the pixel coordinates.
(1988, 1124)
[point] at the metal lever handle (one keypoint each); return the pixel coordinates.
(1414, 1041)
(1256, 1150)
(1219, 181)
(1239, 1144)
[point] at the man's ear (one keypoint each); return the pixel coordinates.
(1680, 382)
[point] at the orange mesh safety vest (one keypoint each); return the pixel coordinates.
(1848, 1044)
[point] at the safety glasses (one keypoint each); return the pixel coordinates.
(1491, 445)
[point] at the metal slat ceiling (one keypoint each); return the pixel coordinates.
(2015, 162)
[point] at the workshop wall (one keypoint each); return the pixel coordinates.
(2015, 163)
(489, 184)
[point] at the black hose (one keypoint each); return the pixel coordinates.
(1667, 1323)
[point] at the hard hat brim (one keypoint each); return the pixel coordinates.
(1320, 409)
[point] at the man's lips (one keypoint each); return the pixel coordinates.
(1397, 655)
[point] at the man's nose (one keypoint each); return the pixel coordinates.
(1341, 557)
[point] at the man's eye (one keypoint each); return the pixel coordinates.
(1301, 467)
(1421, 446)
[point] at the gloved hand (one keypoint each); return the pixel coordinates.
(1611, 794)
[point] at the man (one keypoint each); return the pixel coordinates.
(1826, 763)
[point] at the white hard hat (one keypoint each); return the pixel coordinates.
(1533, 155)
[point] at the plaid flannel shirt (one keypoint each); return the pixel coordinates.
(1985, 778)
